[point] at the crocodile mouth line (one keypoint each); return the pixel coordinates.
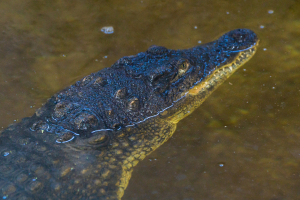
(217, 77)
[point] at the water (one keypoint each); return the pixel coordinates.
(250, 123)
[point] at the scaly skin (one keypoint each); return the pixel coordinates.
(84, 142)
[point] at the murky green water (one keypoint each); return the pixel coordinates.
(243, 143)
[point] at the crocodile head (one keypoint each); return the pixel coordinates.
(84, 142)
(176, 75)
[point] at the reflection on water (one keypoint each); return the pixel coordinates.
(250, 124)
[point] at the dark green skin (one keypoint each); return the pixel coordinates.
(84, 142)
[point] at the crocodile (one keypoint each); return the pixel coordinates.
(85, 140)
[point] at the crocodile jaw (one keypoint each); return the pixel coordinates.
(194, 97)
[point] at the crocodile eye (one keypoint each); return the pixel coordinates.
(100, 138)
(183, 66)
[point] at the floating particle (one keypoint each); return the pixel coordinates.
(221, 164)
(6, 153)
(107, 29)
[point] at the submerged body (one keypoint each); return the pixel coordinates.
(84, 142)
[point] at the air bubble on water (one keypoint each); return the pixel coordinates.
(195, 27)
(265, 49)
(227, 13)
(271, 11)
(261, 26)
(199, 41)
(273, 88)
(221, 164)
(107, 29)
